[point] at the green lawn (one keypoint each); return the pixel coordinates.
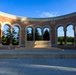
(68, 43)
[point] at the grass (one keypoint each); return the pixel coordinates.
(68, 43)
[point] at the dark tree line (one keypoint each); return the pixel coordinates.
(13, 38)
(38, 36)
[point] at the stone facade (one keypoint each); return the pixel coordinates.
(53, 23)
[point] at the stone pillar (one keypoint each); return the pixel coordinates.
(42, 34)
(56, 37)
(52, 37)
(0, 35)
(11, 31)
(33, 34)
(75, 34)
(65, 37)
(23, 37)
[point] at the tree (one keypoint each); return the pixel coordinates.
(60, 40)
(37, 35)
(6, 37)
(15, 37)
(29, 35)
(70, 40)
(46, 35)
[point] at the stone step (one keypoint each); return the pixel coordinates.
(37, 54)
(51, 48)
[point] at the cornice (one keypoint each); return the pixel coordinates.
(37, 19)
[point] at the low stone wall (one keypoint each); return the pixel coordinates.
(67, 47)
(38, 44)
(8, 47)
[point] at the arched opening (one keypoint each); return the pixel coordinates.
(60, 36)
(38, 34)
(29, 34)
(6, 34)
(46, 34)
(70, 35)
(15, 35)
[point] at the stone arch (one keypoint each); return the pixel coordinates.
(29, 44)
(38, 26)
(1, 28)
(19, 27)
(48, 28)
(0, 32)
(56, 33)
(6, 40)
(70, 35)
(6, 23)
(26, 31)
(29, 26)
(75, 32)
(38, 29)
(60, 35)
(57, 26)
(69, 23)
(29, 37)
(0, 23)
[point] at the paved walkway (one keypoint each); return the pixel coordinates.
(38, 66)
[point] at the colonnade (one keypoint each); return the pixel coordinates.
(23, 33)
(65, 34)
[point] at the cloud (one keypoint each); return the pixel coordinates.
(48, 14)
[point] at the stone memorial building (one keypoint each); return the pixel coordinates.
(33, 25)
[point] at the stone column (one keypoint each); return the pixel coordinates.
(0, 35)
(52, 37)
(23, 37)
(42, 34)
(65, 37)
(75, 34)
(33, 34)
(11, 31)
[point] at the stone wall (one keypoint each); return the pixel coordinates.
(38, 44)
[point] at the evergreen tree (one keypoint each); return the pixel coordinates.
(15, 37)
(6, 37)
(46, 35)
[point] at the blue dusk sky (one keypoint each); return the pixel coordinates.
(38, 8)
